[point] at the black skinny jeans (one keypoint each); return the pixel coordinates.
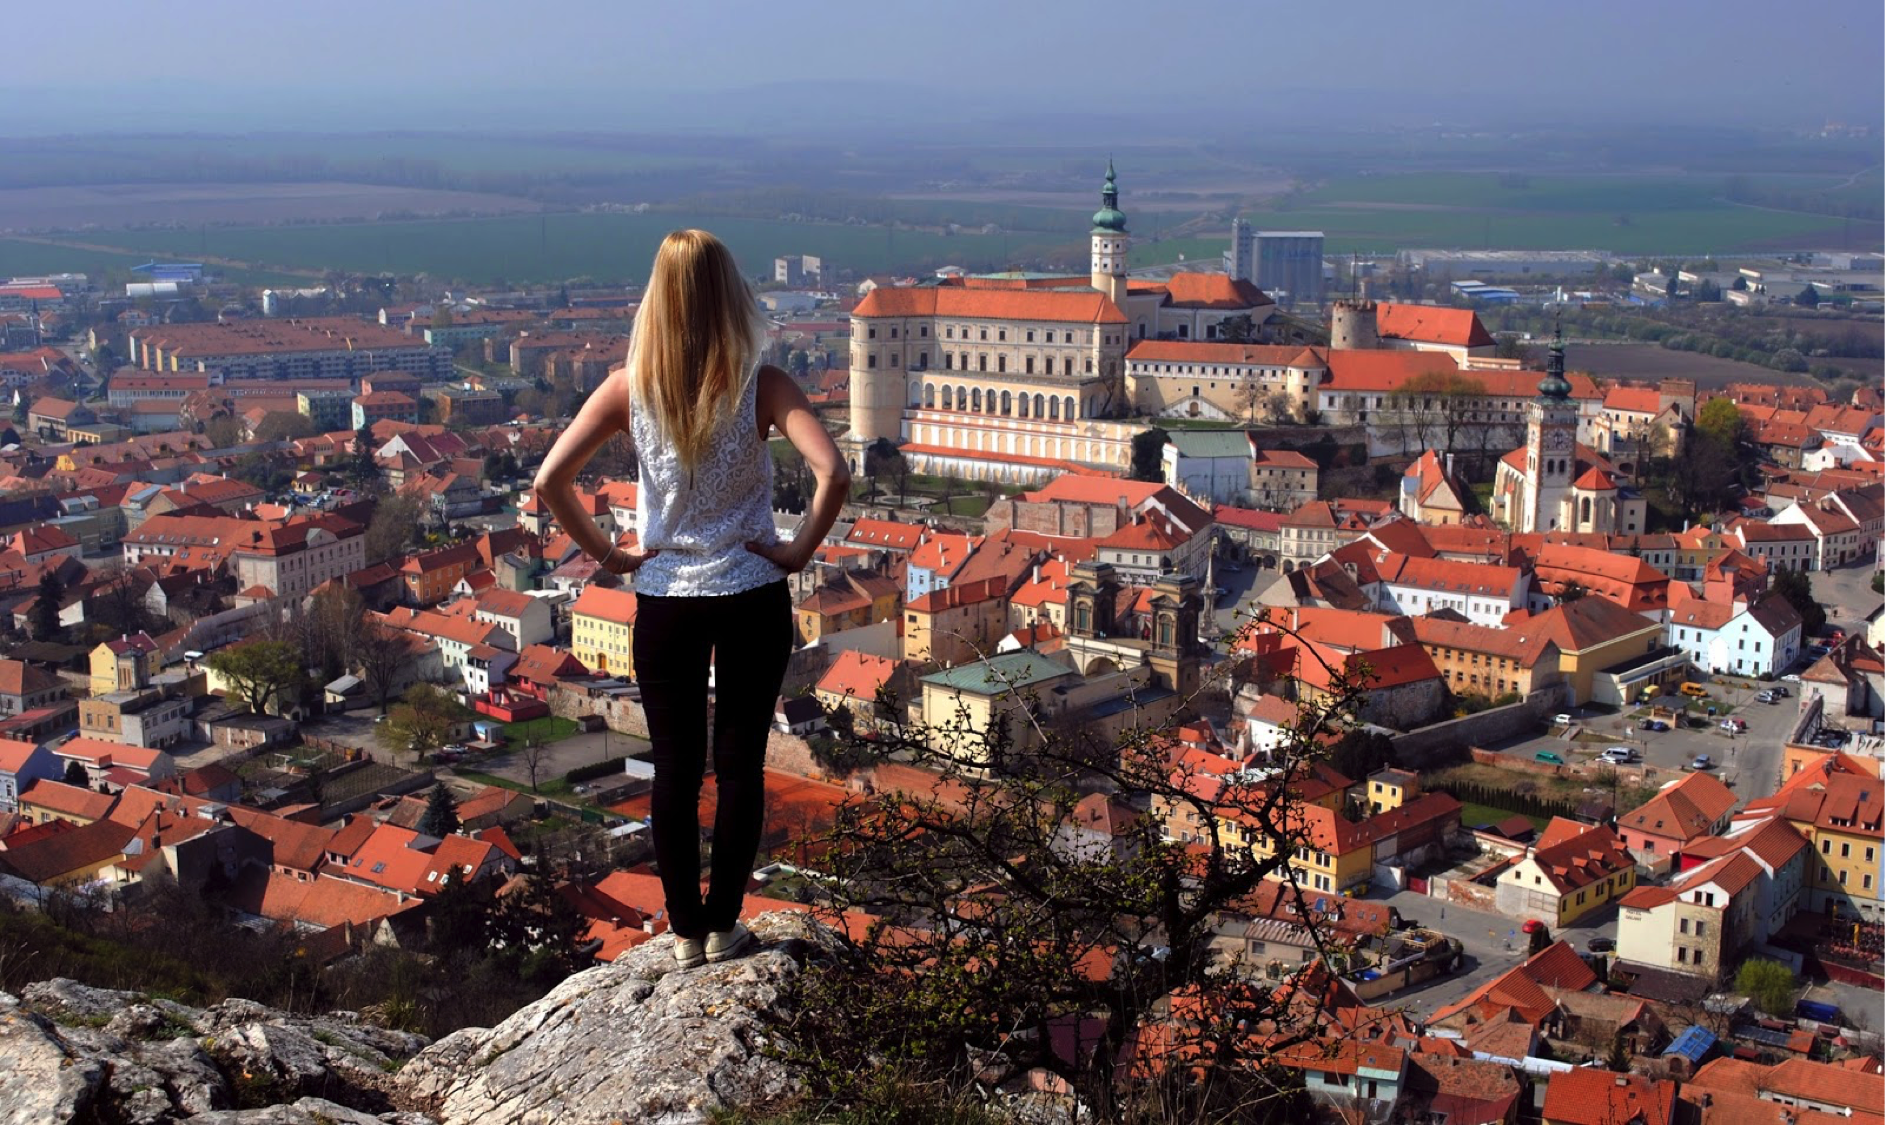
(749, 636)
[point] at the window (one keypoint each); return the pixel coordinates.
(871, 333)
(1701, 927)
(1845, 851)
(1682, 955)
(871, 362)
(893, 332)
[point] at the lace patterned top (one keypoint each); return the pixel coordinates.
(701, 521)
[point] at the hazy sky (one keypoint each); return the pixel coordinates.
(420, 63)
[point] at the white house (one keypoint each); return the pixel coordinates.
(1836, 535)
(527, 620)
(1482, 594)
(1213, 464)
(1785, 546)
(1735, 637)
(1268, 720)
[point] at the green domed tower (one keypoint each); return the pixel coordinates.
(1110, 242)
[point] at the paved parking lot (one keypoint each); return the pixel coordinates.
(1492, 942)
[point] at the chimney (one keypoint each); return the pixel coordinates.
(1037, 573)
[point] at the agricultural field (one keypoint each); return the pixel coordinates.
(130, 205)
(1620, 213)
(554, 247)
(19, 257)
(1650, 362)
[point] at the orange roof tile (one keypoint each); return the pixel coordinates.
(1079, 307)
(1431, 324)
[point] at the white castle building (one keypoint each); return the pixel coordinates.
(1020, 378)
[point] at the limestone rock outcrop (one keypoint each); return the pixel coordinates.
(634, 1041)
(637, 1040)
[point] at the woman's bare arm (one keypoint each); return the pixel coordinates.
(602, 416)
(780, 404)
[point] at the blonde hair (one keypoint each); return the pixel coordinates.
(696, 335)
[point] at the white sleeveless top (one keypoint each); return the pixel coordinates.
(701, 521)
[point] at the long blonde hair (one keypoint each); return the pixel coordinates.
(696, 335)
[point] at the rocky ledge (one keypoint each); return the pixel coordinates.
(634, 1041)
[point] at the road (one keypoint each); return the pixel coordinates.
(1847, 595)
(1492, 942)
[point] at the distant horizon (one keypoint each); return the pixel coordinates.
(1091, 70)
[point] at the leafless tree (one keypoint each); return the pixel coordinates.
(533, 754)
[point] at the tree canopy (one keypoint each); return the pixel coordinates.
(1148, 454)
(260, 673)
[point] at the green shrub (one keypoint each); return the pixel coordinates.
(596, 769)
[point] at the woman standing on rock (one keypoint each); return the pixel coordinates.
(709, 571)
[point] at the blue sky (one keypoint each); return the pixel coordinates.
(204, 63)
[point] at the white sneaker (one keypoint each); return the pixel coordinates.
(725, 944)
(689, 952)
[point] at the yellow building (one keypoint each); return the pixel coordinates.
(125, 664)
(956, 624)
(849, 601)
(1575, 869)
(960, 704)
(602, 630)
(1595, 635)
(1391, 788)
(1840, 809)
(1483, 661)
(1336, 854)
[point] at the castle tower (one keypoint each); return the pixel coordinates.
(1550, 446)
(879, 388)
(1110, 243)
(1352, 326)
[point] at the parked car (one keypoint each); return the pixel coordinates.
(1550, 756)
(1561, 720)
(1616, 756)
(1767, 697)
(1601, 944)
(1651, 724)
(1791, 677)
(1781, 690)
(1702, 762)
(1735, 725)
(1531, 926)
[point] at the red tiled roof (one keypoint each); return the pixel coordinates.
(1204, 351)
(1205, 291)
(1588, 1096)
(858, 675)
(1081, 307)
(1685, 811)
(618, 606)
(1431, 324)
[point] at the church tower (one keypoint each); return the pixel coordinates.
(1110, 243)
(1550, 446)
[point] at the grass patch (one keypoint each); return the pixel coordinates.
(1472, 814)
(548, 787)
(550, 728)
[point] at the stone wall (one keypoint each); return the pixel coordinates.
(622, 714)
(1438, 743)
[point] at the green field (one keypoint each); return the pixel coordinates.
(19, 258)
(1472, 814)
(559, 246)
(1379, 214)
(1623, 214)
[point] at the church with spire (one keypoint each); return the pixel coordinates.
(1554, 483)
(1019, 377)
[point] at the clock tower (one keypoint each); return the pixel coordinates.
(1110, 243)
(1550, 447)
